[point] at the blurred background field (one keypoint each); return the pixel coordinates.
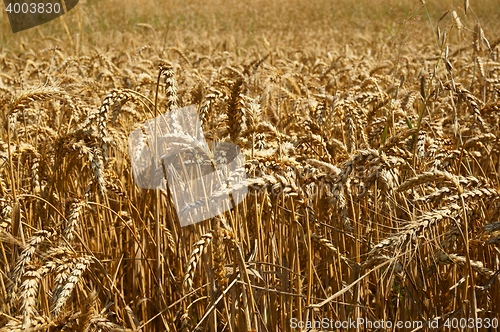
(241, 24)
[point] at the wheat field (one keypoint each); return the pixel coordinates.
(371, 155)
